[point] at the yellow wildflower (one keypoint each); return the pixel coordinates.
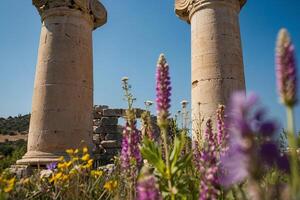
(76, 151)
(56, 177)
(9, 185)
(61, 158)
(65, 177)
(86, 157)
(86, 166)
(85, 150)
(62, 166)
(75, 159)
(70, 151)
(96, 173)
(110, 185)
(73, 171)
(68, 164)
(90, 162)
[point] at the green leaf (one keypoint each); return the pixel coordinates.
(178, 147)
(182, 163)
(151, 152)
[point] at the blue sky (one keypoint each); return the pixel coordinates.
(129, 44)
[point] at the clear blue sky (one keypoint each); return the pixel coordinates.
(129, 44)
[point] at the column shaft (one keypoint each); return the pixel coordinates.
(216, 54)
(217, 61)
(62, 101)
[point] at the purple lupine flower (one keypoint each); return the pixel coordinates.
(206, 162)
(163, 89)
(286, 69)
(196, 154)
(251, 141)
(236, 161)
(147, 187)
(131, 157)
(221, 132)
(51, 166)
(210, 165)
(208, 183)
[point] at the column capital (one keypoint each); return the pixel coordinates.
(93, 8)
(184, 9)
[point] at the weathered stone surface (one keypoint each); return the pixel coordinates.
(95, 11)
(106, 129)
(63, 89)
(106, 121)
(184, 9)
(110, 144)
(21, 171)
(115, 136)
(102, 136)
(217, 61)
(113, 112)
(97, 115)
(108, 112)
(96, 139)
(112, 152)
(99, 108)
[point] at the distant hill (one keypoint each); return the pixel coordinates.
(13, 125)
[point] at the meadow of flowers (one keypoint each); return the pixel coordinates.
(240, 155)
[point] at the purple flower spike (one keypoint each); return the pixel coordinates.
(147, 188)
(286, 69)
(163, 89)
(206, 161)
(221, 133)
(251, 141)
(131, 157)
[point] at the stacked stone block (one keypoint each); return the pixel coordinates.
(107, 134)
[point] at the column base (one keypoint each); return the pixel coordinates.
(38, 158)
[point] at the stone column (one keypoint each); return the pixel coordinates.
(217, 61)
(63, 89)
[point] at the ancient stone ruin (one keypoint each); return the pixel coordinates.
(107, 134)
(63, 89)
(216, 54)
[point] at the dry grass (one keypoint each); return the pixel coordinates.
(16, 137)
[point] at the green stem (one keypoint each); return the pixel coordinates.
(127, 94)
(240, 187)
(130, 191)
(292, 139)
(169, 175)
(234, 193)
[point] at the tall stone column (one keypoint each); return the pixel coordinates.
(217, 61)
(63, 89)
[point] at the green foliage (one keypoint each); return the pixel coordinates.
(11, 151)
(12, 125)
(184, 186)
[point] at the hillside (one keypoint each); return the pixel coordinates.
(13, 125)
